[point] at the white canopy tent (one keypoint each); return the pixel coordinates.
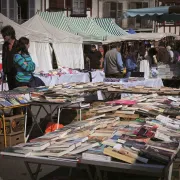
(67, 47)
(139, 36)
(36, 39)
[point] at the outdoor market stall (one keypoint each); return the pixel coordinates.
(39, 41)
(151, 118)
(67, 47)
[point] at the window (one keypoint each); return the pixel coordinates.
(56, 4)
(89, 4)
(4, 7)
(12, 9)
(139, 22)
(112, 10)
(68, 4)
(31, 5)
(78, 8)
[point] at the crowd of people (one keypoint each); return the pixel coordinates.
(121, 61)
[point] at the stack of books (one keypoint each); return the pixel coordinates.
(143, 129)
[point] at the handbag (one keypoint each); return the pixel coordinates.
(35, 82)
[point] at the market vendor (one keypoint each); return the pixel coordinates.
(95, 57)
(113, 64)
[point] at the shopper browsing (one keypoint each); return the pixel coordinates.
(113, 64)
(23, 63)
(8, 51)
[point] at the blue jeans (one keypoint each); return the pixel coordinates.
(128, 74)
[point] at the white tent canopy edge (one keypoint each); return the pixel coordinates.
(67, 47)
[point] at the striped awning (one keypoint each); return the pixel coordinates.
(57, 19)
(87, 28)
(110, 26)
(90, 29)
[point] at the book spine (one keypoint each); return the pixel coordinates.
(96, 157)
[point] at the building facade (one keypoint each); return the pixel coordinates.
(21, 10)
(171, 26)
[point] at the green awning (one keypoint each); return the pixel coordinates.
(90, 29)
(57, 19)
(110, 26)
(87, 28)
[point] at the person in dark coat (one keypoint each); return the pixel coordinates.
(8, 51)
(162, 54)
(95, 58)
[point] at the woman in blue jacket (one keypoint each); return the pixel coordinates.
(23, 62)
(130, 62)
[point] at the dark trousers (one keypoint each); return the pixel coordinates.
(116, 75)
(21, 84)
(11, 80)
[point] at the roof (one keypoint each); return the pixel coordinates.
(36, 23)
(110, 26)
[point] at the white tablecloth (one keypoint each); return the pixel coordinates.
(157, 83)
(97, 76)
(66, 78)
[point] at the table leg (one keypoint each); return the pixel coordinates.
(34, 175)
(34, 122)
(25, 125)
(170, 172)
(90, 176)
(80, 114)
(99, 173)
(70, 172)
(59, 114)
(4, 128)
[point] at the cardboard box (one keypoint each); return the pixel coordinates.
(14, 124)
(12, 140)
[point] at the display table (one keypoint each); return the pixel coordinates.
(49, 108)
(153, 170)
(156, 83)
(160, 171)
(65, 78)
(97, 76)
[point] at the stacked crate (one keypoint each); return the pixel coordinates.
(14, 126)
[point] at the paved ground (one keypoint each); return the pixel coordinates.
(15, 170)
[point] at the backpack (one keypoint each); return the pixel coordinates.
(35, 82)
